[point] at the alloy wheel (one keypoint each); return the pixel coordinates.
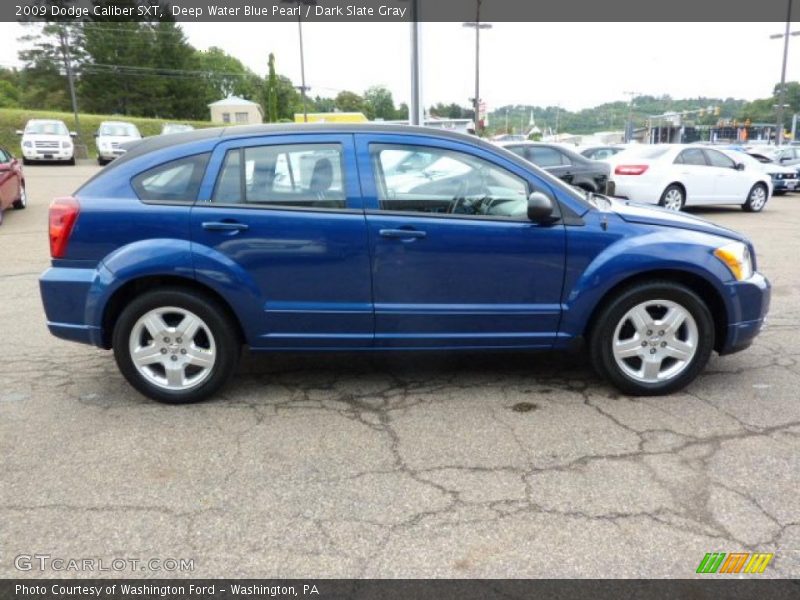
(655, 341)
(172, 348)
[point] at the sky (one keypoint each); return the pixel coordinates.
(574, 65)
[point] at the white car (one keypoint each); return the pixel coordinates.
(678, 175)
(45, 139)
(110, 137)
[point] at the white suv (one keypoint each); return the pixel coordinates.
(110, 137)
(45, 139)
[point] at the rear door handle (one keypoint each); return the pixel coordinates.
(224, 226)
(400, 234)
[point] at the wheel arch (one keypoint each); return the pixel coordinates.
(135, 287)
(698, 284)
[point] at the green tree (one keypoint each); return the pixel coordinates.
(10, 94)
(43, 79)
(378, 103)
(347, 101)
(272, 91)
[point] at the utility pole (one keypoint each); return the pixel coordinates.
(782, 93)
(629, 123)
(63, 36)
(476, 101)
(416, 111)
(302, 87)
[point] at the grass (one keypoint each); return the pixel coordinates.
(12, 119)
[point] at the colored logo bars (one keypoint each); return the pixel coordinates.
(736, 562)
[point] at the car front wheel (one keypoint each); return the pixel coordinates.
(175, 346)
(653, 338)
(756, 199)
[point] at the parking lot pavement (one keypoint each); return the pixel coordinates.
(435, 465)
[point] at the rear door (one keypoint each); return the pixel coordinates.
(693, 172)
(284, 214)
(455, 260)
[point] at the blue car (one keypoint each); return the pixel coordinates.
(381, 237)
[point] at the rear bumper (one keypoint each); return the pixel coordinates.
(750, 299)
(65, 295)
(632, 189)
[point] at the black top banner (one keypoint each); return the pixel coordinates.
(598, 11)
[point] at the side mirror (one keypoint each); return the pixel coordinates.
(73, 134)
(739, 166)
(785, 159)
(540, 207)
(96, 134)
(20, 132)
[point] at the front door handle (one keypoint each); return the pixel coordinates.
(224, 226)
(402, 234)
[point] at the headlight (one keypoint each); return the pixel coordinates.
(27, 144)
(736, 257)
(66, 144)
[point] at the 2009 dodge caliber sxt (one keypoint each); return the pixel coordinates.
(327, 237)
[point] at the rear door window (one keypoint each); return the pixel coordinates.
(296, 175)
(176, 181)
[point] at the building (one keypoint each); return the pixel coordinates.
(236, 111)
(331, 117)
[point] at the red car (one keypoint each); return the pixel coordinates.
(12, 182)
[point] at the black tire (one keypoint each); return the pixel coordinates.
(779, 193)
(22, 201)
(215, 318)
(26, 162)
(755, 202)
(100, 161)
(669, 191)
(71, 161)
(601, 338)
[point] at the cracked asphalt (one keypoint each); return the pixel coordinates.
(427, 465)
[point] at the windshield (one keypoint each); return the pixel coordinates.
(119, 130)
(47, 128)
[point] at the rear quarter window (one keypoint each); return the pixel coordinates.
(175, 181)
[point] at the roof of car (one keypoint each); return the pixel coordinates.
(154, 143)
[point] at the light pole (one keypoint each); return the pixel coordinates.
(782, 93)
(302, 87)
(476, 101)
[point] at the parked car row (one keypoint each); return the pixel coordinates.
(51, 140)
(672, 175)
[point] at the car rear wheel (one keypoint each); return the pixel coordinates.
(22, 201)
(653, 338)
(756, 199)
(673, 198)
(175, 346)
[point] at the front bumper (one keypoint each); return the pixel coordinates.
(750, 299)
(47, 154)
(784, 185)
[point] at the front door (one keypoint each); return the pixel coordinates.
(455, 260)
(284, 212)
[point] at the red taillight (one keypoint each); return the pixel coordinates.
(630, 169)
(63, 214)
